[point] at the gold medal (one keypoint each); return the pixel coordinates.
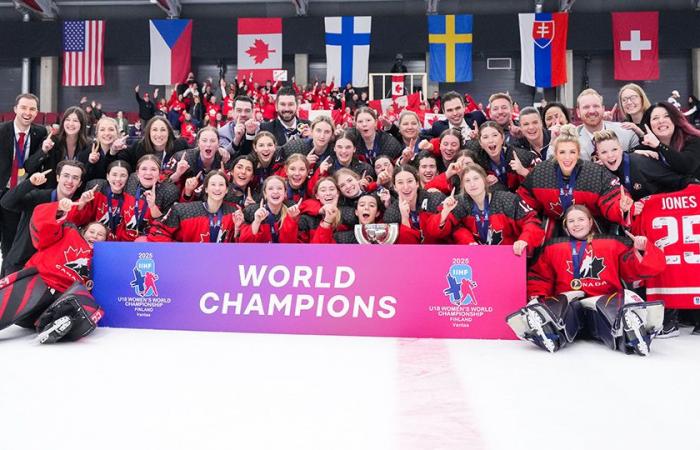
(576, 284)
(20, 172)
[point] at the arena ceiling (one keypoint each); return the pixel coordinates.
(15, 10)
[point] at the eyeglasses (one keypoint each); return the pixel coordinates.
(629, 98)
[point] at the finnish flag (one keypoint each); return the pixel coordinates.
(347, 49)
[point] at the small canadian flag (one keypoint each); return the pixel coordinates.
(397, 85)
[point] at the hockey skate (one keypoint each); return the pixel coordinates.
(55, 330)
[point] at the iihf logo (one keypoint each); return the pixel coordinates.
(460, 284)
(145, 277)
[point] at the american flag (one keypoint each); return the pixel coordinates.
(83, 53)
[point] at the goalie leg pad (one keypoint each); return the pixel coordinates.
(549, 324)
(80, 309)
(23, 296)
(624, 322)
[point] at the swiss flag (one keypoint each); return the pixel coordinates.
(636, 45)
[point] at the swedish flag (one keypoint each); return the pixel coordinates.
(450, 42)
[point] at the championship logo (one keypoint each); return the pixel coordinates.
(145, 277)
(460, 284)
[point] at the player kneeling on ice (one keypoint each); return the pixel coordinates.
(49, 294)
(575, 286)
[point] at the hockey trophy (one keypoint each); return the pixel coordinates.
(377, 233)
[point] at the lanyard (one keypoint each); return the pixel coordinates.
(482, 220)
(140, 214)
(271, 219)
(114, 214)
(372, 154)
(577, 254)
(214, 223)
(500, 169)
(626, 171)
(566, 189)
(301, 192)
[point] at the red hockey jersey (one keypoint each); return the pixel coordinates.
(63, 256)
(510, 219)
(191, 222)
(606, 260)
(672, 221)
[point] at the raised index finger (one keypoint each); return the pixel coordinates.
(629, 235)
(46, 172)
(647, 128)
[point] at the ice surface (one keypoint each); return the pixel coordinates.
(142, 389)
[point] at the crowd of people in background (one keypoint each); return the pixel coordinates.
(237, 163)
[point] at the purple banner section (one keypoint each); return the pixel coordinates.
(360, 290)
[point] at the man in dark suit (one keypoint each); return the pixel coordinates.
(286, 126)
(19, 139)
(453, 105)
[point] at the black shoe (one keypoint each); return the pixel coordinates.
(55, 330)
(670, 329)
(696, 330)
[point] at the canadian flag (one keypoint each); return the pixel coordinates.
(259, 48)
(397, 85)
(411, 101)
(381, 106)
(636, 45)
(431, 118)
(399, 103)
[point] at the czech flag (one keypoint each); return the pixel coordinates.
(171, 51)
(543, 49)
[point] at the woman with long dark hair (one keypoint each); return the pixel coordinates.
(158, 140)
(70, 141)
(672, 138)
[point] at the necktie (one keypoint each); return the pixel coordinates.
(19, 154)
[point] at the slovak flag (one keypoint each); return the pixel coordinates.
(397, 85)
(636, 45)
(543, 49)
(259, 48)
(171, 51)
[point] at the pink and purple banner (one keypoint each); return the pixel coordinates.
(361, 290)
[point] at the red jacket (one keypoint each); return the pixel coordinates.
(607, 259)
(98, 209)
(63, 256)
(190, 222)
(510, 220)
(596, 188)
(287, 232)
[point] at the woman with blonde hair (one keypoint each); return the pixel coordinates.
(564, 180)
(634, 102)
(271, 221)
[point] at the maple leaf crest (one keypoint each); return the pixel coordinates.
(259, 51)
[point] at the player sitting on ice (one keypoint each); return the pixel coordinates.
(49, 294)
(575, 286)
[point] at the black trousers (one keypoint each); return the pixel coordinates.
(9, 221)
